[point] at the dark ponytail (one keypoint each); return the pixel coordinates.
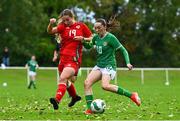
(111, 24)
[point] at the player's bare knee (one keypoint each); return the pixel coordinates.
(62, 80)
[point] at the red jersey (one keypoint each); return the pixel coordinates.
(69, 46)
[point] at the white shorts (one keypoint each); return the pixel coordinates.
(32, 73)
(109, 70)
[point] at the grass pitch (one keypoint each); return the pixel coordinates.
(159, 102)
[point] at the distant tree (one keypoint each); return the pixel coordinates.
(23, 25)
(149, 29)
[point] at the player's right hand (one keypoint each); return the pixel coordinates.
(52, 21)
(79, 38)
(130, 67)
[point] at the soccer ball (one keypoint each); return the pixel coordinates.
(4, 84)
(3, 66)
(98, 106)
(167, 83)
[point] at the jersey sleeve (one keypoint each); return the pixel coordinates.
(94, 38)
(114, 42)
(60, 28)
(125, 54)
(118, 46)
(86, 31)
(90, 44)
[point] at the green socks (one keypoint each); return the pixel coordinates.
(32, 83)
(124, 92)
(89, 99)
(120, 91)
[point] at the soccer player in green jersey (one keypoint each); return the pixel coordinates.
(106, 45)
(32, 65)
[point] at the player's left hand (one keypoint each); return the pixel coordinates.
(54, 59)
(130, 67)
(79, 38)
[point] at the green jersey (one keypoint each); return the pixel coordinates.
(32, 65)
(106, 48)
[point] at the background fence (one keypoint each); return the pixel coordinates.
(141, 76)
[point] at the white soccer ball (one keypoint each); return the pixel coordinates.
(167, 83)
(98, 106)
(4, 84)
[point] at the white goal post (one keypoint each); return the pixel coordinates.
(88, 69)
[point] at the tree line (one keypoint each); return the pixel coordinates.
(149, 29)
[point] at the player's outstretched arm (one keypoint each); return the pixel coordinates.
(87, 42)
(87, 45)
(126, 56)
(83, 39)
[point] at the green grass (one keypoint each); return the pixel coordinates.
(159, 102)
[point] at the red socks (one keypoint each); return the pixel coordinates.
(71, 90)
(60, 91)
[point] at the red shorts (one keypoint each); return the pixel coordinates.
(68, 61)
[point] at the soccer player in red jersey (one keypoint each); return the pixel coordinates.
(70, 52)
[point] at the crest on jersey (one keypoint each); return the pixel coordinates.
(78, 26)
(105, 43)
